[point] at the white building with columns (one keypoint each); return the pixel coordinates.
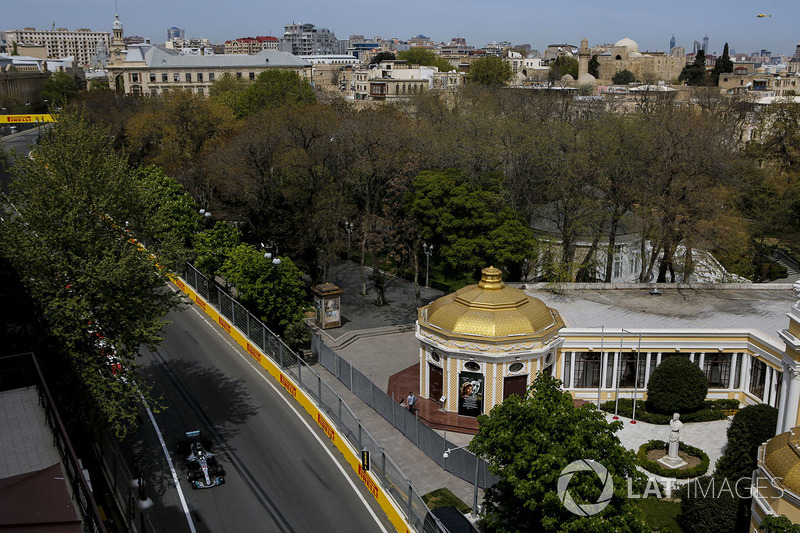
(605, 343)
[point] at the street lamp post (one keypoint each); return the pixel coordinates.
(428, 250)
(143, 503)
(445, 455)
(348, 227)
(269, 246)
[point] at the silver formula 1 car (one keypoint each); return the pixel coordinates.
(204, 471)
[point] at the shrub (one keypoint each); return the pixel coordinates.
(661, 470)
(751, 426)
(714, 512)
(676, 386)
(712, 410)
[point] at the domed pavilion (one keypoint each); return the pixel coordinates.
(483, 343)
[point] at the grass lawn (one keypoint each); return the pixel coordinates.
(444, 498)
(660, 514)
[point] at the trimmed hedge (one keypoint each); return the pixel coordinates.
(658, 469)
(676, 386)
(711, 410)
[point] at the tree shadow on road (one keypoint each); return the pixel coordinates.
(195, 397)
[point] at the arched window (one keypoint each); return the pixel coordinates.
(618, 58)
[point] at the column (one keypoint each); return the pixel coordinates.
(792, 401)
(767, 385)
(782, 401)
(773, 390)
(745, 377)
(732, 376)
(647, 369)
(603, 372)
(702, 360)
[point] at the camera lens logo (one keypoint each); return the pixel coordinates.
(585, 509)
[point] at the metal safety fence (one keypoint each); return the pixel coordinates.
(389, 475)
(458, 462)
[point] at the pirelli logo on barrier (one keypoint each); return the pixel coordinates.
(288, 385)
(252, 351)
(181, 285)
(201, 303)
(326, 427)
(371, 485)
(225, 325)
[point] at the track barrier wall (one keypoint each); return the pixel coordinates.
(385, 481)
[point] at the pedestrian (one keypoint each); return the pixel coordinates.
(411, 401)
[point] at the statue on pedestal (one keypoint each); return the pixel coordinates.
(672, 459)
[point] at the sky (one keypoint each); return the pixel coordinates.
(649, 23)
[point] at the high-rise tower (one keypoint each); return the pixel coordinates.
(705, 44)
(671, 44)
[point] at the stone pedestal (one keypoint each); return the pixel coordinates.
(672, 462)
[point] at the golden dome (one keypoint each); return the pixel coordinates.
(782, 459)
(490, 309)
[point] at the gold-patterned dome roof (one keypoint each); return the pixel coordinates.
(490, 309)
(782, 459)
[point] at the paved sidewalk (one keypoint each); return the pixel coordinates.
(708, 436)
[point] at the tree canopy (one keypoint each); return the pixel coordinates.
(722, 65)
(529, 441)
(59, 89)
(425, 57)
(695, 73)
(492, 71)
(276, 293)
(623, 77)
(382, 56)
(65, 221)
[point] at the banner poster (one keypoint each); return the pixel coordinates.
(470, 394)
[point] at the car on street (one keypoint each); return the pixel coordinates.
(204, 470)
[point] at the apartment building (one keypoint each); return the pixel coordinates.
(251, 45)
(82, 44)
(307, 39)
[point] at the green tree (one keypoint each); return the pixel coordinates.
(676, 386)
(169, 218)
(382, 56)
(276, 293)
(468, 222)
(778, 524)
(529, 441)
(594, 66)
(750, 428)
(623, 77)
(562, 66)
(722, 65)
(492, 71)
(425, 57)
(709, 505)
(721, 509)
(271, 89)
(695, 74)
(274, 88)
(213, 247)
(59, 89)
(65, 223)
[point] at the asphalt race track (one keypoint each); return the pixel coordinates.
(282, 472)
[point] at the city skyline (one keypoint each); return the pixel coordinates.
(651, 26)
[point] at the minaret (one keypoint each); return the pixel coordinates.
(583, 59)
